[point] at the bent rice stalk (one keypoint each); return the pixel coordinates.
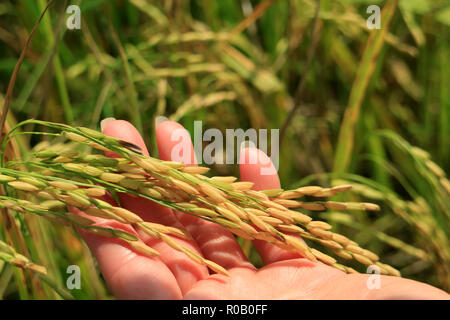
(59, 177)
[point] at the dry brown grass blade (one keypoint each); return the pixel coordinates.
(13, 233)
(255, 15)
(364, 74)
(16, 71)
(301, 86)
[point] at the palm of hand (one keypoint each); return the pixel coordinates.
(302, 279)
(172, 275)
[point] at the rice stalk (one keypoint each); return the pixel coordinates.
(252, 214)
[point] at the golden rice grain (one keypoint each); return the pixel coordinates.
(98, 147)
(143, 248)
(290, 228)
(282, 215)
(226, 223)
(133, 176)
(63, 185)
(185, 186)
(256, 212)
(343, 254)
(52, 204)
(290, 195)
(82, 201)
(242, 234)
(194, 256)
(204, 212)
(343, 187)
(187, 205)
(435, 168)
(130, 168)
(35, 182)
(213, 193)
(335, 205)
(266, 236)
(92, 171)
(150, 192)
(228, 214)
(175, 165)
(143, 163)
(325, 192)
(312, 206)
(90, 132)
(300, 246)
(330, 244)
(5, 178)
(258, 222)
(288, 203)
(75, 137)
(101, 204)
(323, 257)
(247, 228)
(79, 219)
(150, 231)
(309, 190)
(272, 193)
(171, 242)
(130, 184)
(445, 183)
(61, 159)
(227, 180)
(271, 220)
(126, 214)
(237, 210)
(24, 186)
(111, 177)
(256, 194)
(362, 259)
(370, 206)
(272, 204)
(323, 234)
(319, 224)
(300, 217)
(167, 229)
(216, 268)
(102, 232)
(369, 254)
(100, 213)
(75, 167)
(242, 185)
(195, 170)
(340, 267)
(391, 270)
(351, 271)
(354, 249)
(340, 238)
(95, 192)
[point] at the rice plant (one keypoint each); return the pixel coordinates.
(371, 112)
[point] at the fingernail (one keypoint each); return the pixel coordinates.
(159, 120)
(105, 122)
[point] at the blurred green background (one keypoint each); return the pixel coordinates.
(372, 107)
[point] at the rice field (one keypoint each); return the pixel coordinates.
(355, 107)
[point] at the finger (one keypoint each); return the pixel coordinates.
(128, 274)
(363, 286)
(146, 209)
(216, 243)
(186, 271)
(255, 166)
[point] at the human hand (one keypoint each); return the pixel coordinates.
(172, 275)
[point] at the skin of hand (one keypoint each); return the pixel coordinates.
(172, 275)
